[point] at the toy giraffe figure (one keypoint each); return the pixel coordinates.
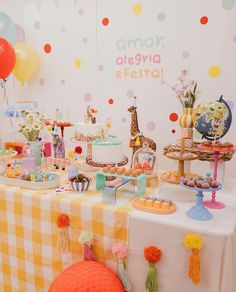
(137, 139)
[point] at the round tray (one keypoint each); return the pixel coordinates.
(216, 149)
(176, 179)
(123, 162)
(82, 140)
(201, 189)
(137, 205)
(183, 157)
(30, 184)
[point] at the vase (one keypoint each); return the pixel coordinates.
(35, 148)
(186, 123)
(186, 120)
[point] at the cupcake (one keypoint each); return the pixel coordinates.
(228, 146)
(113, 170)
(165, 205)
(205, 185)
(142, 201)
(157, 204)
(127, 172)
(199, 183)
(134, 172)
(214, 184)
(149, 203)
(120, 171)
(105, 169)
(191, 183)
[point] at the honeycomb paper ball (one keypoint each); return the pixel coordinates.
(87, 276)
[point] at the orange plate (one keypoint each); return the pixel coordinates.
(137, 205)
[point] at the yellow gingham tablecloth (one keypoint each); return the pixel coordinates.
(29, 259)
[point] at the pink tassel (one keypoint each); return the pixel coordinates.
(86, 238)
(89, 254)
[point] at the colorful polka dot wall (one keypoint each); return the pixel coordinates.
(110, 101)
(47, 48)
(214, 71)
(173, 117)
(104, 55)
(204, 20)
(105, 21)
(77, 63)
(137, 9)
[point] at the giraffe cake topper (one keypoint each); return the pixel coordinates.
(137, 139)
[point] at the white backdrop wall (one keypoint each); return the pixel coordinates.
(88, 59)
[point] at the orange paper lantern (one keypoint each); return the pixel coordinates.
(87, 276)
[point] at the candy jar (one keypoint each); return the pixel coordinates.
(144, 159)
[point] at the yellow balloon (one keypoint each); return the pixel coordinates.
(27, 62)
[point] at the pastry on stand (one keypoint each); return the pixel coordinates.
(200, 185)
(174, 176)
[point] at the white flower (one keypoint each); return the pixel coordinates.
(36, 127)
(30, 116)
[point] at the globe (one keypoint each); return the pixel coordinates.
(213, 119)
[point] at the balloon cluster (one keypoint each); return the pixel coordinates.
(19, 58)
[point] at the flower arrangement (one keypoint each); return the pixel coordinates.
(32, 124)
(185, 89)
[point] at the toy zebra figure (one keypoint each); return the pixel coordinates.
(58, 146)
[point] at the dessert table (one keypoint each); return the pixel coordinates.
(29, 259)
(218, 255)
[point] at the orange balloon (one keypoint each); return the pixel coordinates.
(7, 58)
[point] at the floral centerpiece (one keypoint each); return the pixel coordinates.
(185, 89)
(31, 125)
(187, 92)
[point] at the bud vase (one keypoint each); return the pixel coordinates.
(186, 120)
(35, 148)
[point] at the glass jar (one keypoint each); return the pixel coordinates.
(144, 159)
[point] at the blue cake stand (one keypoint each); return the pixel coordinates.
(199, 212)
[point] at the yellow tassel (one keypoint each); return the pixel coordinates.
(137, 142)
(194, 242)
(194, 267)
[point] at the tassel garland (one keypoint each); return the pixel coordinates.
(86, 238)
(63, 222)
(152, 254)
(194, 242)
(120, 250)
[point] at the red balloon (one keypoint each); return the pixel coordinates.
(7, 58)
